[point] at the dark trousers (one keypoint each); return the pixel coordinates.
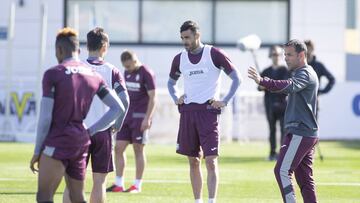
(273, 116)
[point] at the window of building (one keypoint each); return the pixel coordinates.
(162, 19)
(236, 19)
(119, 18)
(157, 22)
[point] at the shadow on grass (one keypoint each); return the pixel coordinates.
(29, 193)
(352, 144)
(241, 159)
(22, 193)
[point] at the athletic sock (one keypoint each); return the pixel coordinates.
(119, 181)
(138, 183)
(198, 201)
(212, 200)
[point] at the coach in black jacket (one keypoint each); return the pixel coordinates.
(275, 103)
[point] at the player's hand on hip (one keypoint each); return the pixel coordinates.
(35, 159)
(113, 129)
(218, 104)
(180, 100)
(253, 74)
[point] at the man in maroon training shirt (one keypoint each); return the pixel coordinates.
(62, 141)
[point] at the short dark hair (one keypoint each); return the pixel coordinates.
(273, 48)
(298, 45)
(96, 38)
(309, 43)
(128, 55)
(193, 26)
(68, 39)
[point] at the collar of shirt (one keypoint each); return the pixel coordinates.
(95, 60)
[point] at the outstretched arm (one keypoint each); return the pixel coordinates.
(298, 82)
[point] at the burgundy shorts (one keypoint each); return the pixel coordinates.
(198, 130)
(73, 158)
(100, 151)
(130, 131)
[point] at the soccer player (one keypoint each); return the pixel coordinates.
(100, 149)
(200, 104)
(62, 140)
(140, 83)
(275, 104)
(297, 152)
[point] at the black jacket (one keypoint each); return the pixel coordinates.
(321, 71)
(275, 101)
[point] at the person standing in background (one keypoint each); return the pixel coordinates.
(275, 104)
(140, 83)
(321, 71)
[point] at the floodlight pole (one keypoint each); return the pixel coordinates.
(43, 36)
(253, 53)
(76, 17)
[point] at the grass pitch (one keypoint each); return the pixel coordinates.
(245, 176)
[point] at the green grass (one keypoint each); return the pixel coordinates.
(245, 176)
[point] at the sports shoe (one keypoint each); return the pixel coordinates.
(115, 188)
(133, 189)
(272, 157)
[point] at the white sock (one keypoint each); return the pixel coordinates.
(138, 183)
(198, 201)
(119, 181)
(212, 200)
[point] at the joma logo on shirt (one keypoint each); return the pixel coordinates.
(196, 72)
(78, 69)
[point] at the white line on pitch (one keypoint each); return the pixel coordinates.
(338, 184)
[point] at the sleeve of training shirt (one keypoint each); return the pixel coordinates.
(295, 84)
(46, 109)
(118, 84)
(116, 108)
(223, 62)
(124, 98)
(173, 77)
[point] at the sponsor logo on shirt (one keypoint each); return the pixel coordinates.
(133, 86)
(78, 69)
(196, 72)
